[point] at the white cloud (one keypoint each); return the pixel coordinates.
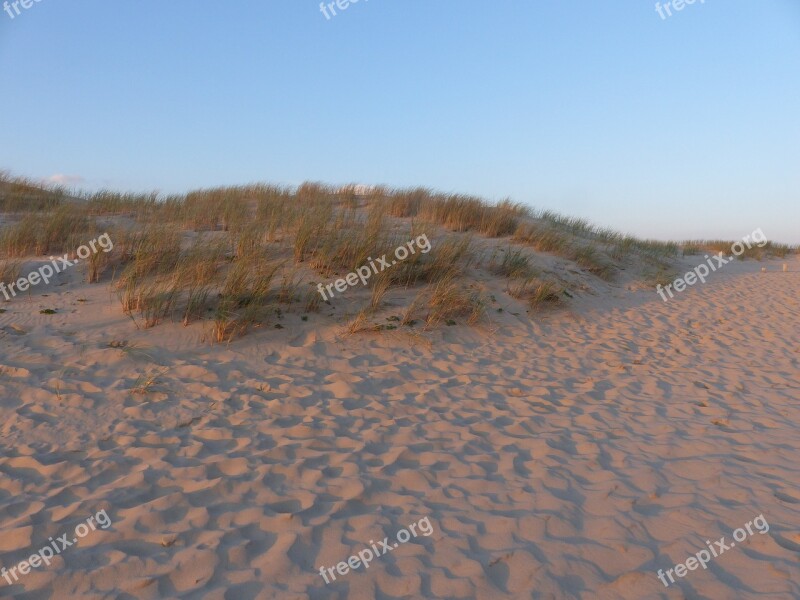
(61, 179)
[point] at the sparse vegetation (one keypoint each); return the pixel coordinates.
(766, 250)
(513, 263)
(537, 292)
(230, 256)
(449, 298)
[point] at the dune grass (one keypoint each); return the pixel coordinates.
(231, 256)
(57, 231)
(538, 292)
(21, 195)
(768, 249)
(450, 299)
(513, 263)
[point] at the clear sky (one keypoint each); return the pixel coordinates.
(680, 127)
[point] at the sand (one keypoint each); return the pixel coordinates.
(570, 455)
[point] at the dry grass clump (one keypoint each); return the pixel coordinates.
(154, 298)
(542, 238)
(349, 241)
(276, 209)
(660, 275)
(766, 250)
(19, 194)
(691, 249)
(514, 264)
(467, 213)
(95, 265)
(110, 203)
(455, 212)
(312, 191)
(150, 251)
(312, 219)
(590, 258)
(159, 280)
(628, 245)
(566, 236)
(448, 257)
(442, 267)
(780, 250)
(577, 227)
(450, 299)
(579, 241)
(148, 282)
(380, 285)
(217, 208)
(244, 299)
(10, 270)
(62, 230)
(195, 274)
(222, 208)
(407, 203)
(545, 238)
(538, 292)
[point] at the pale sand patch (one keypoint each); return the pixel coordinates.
(566, 457)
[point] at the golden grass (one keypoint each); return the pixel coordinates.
(244, 300)
(467, 213)
(538, 292)
(591, 259)
(542, 238)
(380, 285)
(512, 263)
(348, 241)
(10, 270)
(659, 275)
(766, 250)
(19, 194)
(449, 299)
(40, 234)
(448, 257)
(257, 247)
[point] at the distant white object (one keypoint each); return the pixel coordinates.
(763, 269)
(358, 190)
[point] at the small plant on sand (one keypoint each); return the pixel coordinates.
(538, 292)
(146, 384)
(514, 264)
(312, 300)
(407, 319)
(10, 270)
(95, 265)
(380, 285)
(542, 238)
(660, 275)
(244, 299)
(449, 299)
(359, 323)
(590, 259)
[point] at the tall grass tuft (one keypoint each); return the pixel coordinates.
(61, 230)
(449, 299)
(538, 292)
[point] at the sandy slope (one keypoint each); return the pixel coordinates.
(568, 457)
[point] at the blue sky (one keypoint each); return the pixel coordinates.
(677, 128)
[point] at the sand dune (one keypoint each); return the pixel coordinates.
(567, 456)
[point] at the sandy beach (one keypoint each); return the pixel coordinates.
(568, 455)
(372, 300)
